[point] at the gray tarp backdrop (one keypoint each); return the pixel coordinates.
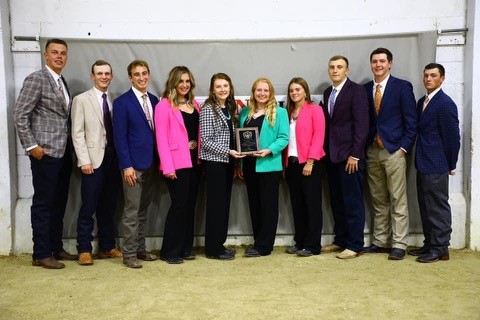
(244, 61)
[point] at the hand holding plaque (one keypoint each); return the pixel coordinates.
(247, 140)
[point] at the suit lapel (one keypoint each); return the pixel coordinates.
(340, 97)
(387, 93)
(56, 90)
(92, 97)
(138, 107)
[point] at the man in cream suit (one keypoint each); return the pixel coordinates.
(41, 118)
(92, 135)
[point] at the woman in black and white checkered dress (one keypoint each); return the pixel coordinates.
(217, 152)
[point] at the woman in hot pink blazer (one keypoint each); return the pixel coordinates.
(302, 162)
(176, 130)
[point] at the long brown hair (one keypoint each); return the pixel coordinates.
(212, 100)
(304, 84)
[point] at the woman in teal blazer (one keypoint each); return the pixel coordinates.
(263, 170)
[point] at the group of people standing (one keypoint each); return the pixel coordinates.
(125, 141)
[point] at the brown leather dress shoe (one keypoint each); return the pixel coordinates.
(48, 263)
(146, 256)
(332, 248)
(132, 262)
(114, 253)
(64, 255)
(85, 259)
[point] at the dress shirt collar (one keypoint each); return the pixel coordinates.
(139, 94)
(100, 93)
(383, 83)
(53, 73)
(431, 95)
(340, 86)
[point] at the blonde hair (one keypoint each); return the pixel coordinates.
(173, 80)
(271, 105)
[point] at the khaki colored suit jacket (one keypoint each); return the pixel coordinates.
(88, 130)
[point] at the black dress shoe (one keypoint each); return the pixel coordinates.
(396, 254)
(418, 252)
(188, 255)
(375, 249)
(307, 253)
(64, 255)
(252, 253)
(230, 251)
(292, 250)
(433, 257)
(224, 256)
(174, 260)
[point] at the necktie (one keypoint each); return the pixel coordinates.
(425, 102)
(378, 98)
(378, 102)
(147, 111)
(107, 121)
(331, 101)
(60, 87)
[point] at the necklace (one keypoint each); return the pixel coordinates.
(259, 113)
(226, 114)
(182, 101)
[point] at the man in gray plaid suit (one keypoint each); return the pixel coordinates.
(41, 117)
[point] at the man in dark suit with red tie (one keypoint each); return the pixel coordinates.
(133, 131)
(41, 116)
(438, 144)
(92, 136)
(393, 127)
(346, 110)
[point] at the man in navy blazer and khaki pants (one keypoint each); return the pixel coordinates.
(438, 144)
(346, 110)
(393, 125)
(135, 146)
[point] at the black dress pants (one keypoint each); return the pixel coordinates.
(306, 200)
(219, 179)
(178, 232)
(51, 180)
(262, 190)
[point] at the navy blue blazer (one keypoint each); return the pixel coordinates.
(438, 140)
(134, 139)
(347, 129)
(397, 121)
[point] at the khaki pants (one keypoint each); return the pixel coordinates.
(386, 176)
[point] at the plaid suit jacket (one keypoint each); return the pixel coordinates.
(214, 134)
(41, 114)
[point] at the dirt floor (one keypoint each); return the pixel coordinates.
(279, 286)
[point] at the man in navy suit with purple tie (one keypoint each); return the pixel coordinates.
(346, 110)
(438, 144)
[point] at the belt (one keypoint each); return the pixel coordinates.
(292, 159)
(192, 144)
(109, 149)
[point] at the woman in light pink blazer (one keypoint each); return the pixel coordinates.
(302, 161)
(176, 130)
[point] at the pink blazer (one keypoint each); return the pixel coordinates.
(310, 133)
(172, 137)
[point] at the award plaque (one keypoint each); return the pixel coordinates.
(247, 140)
